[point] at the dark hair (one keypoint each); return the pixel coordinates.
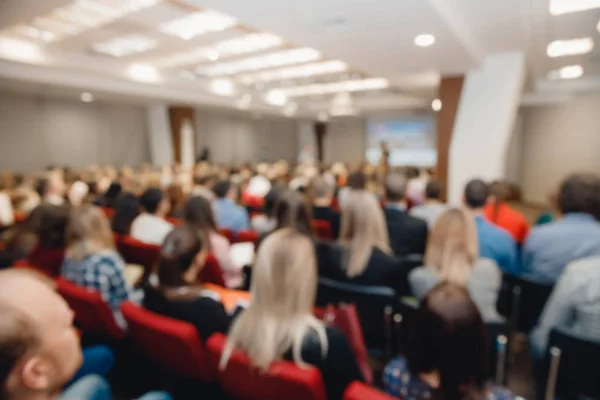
(476, 193)
(150, 200)
(127, 208)
(292, 211)
(271, 198)
(499, 191)
(42, 186)
(111, 195)
(411, 172)
(222, 188)
(356, 180)
(203, 180)
(577, 193)
(395, 187)
(448, 336)
(177, 199)
(50, 224)
(177, 255)
(198, 213)
(433, 190)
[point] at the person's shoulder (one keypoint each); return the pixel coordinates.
(583, 267)
(486, 267)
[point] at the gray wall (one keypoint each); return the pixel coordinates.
(36, 132)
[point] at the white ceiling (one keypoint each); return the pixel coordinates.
(374, 37)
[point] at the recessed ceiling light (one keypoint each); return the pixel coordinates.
(300, 71)
(222, 87)
(336, 87)
(86, 97)
(212, 55)
(436, 105)
(425, 40)
(143, 73)
(558, 7)
(19, 50)
(276, 97)
(568, 72)
(198, 23)
(560, 48)
(125, 45)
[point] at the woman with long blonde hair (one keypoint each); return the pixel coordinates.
(279, 323)
(452, 256)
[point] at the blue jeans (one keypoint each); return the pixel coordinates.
(94, 387)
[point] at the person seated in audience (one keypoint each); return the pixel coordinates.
(446, 354)
(39, 346)
(415, 186)
(293, 211)
(77, 193)
(355, 181)
(257, 189)
(52, 188)
(7, 217)
(108, 199)
(322, 193)
(494, 243)
(452, 256)
(284, 289)
(266, 222)
(150, 226)
(91, 260)
(176, 200)
(433, 206)
(198, 213)
(127, 210)
(179, 294)
(203, 186)
(408, 235)
(501, 214)
(228, 214)
(550, 247)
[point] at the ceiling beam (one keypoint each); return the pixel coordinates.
(14, 12)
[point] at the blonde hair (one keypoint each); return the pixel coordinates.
(88, 232)
(363, 227)
(280, 315)
(452, 247)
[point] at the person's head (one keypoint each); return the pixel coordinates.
(284, 289)
(225, 188)
(433, 190)
(154, 202)
(77, 193)
(395, 188)
(207, 180)
(55, 184)
(113, 191)
(127, 208)
(476, 194)
(176, 196)
(182, 257)
(322, 191)
(448, 337)
(88, 232)
(198, 213)
(362, 228)
(271, 199)
(577, 193)
(357, 180)
(452, 246)
(39, 347)
(292, 211)
(49, 222)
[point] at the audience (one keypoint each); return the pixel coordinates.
(452, 256)
(91, 260)
(150, 226)
(408, 235)
(355, 181)
(127, 210)
(203, 186)
(446, 357)
(501, 214)
(494, 243)
(293, 211)
(266, 222)
(279, 322)
(322, 196)
(179, 294)
(228, 213)
(176, 200)
(52, 189)
(550, 247)
(433, 206)
(108, 199)
(77, 193)
(6, 208)
(198, 214)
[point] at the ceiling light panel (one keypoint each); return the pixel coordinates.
(300, 71)
(197, 24)
(568, 72)
(80, 16)
(242, 45)
(20, 50)
(273, 60)
(558, 7)
(125, 45)
(561, 48)
(336, 87)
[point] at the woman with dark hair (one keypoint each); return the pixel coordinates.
(109, 198)
(127, 208)
(501, 214)
(446, 353)
(263, 224)
(293, 211)
(178, 293)
(198, 213)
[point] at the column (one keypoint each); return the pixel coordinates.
(182, 123)
(159, 135)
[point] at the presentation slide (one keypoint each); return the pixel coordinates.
(410, 141)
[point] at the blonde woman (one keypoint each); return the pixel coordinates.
(279, 323)
(91, 260)
(452, 256)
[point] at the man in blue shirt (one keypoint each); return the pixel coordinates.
(494, 243)
(228, 214)
(550, 247)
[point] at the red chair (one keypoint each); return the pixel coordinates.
(109, 212)
(335, 204)
(136, 252)
(228, 234)
(173, 221)
(172, 343)
(284, 380)
(323, 229)
(212, 272)
(92, 314)
(247, 236)
(360, 391)
(47, 260)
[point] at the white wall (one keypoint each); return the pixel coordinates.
(514, 153)
(559, 140)
(36, 132)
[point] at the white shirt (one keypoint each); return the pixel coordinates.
(150, 229)
(6, 211)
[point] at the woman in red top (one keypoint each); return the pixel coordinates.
(501, 214)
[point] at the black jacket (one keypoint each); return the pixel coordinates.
(408, 235)
(329, 215)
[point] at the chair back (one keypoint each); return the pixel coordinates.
(212, 272)
(92, 314)
(361, 391)
(576, 365)
(322, 229)
(47, 260)
(228, 233)
(108, 212)
(522, 299)
(375, 306)
(247, 236)
(136, 252)
(283, 380)
(171, 343)
(173, 221)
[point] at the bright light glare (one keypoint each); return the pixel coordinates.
(87, 97)
(222, 87)
(143, 73)
(561, 48)
(558, 7)
(20, 50)
(425, 40)
(276, 97)
(436, 105)
(568, 72)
